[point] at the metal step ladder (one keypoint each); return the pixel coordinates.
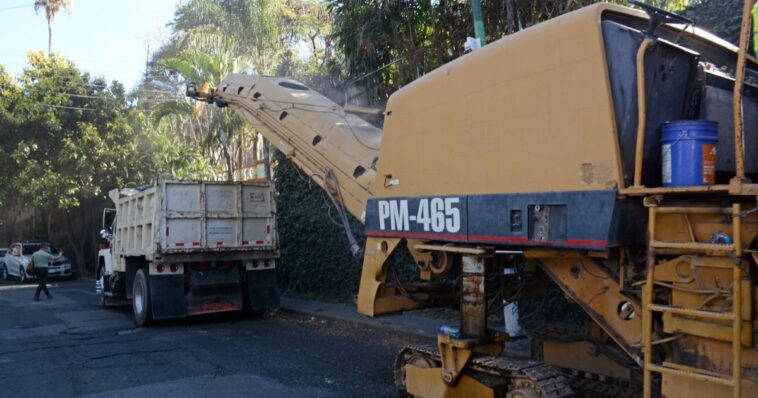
(649, 307)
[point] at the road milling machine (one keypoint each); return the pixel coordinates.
(600, 149)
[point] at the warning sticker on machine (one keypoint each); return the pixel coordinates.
(709, 164)
(666, 160)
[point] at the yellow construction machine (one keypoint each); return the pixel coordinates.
(610, 150)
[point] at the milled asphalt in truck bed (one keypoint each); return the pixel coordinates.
(70, 347)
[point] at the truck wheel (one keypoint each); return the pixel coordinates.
(143, 312)
(4, 271)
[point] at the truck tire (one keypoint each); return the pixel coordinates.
(141, 305)
(4, 271)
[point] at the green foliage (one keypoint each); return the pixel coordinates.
(67, 139)
(720, 17)
(410, 38)
(262, 30)
(156, 144)
(214, 131)
(10, 93)
(213, 38)
(315, 253)
(315, 256)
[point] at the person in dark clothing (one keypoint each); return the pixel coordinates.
(42, 260)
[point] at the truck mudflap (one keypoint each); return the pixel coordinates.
(214, 290)
(262, 290)
(167, 296)
(206, 300)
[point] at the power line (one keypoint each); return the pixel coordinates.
(87, 96)
(18, 6)
(67, 107)
(153, 103)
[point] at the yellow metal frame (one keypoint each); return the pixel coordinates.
(425, 382)
(649, 307)
(641, 110)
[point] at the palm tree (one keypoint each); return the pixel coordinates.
(208, 126)
(255, 26)
(51, 8)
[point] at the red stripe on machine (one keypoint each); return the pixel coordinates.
(510, 239)
(166, 231)
(219, 243)
(268, 229)
(195, 243)
(487, 238)
(245, 242)
(179, 244)
(258, 242)
(587, 242)
(415, 235)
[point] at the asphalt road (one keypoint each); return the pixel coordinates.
(70, 347)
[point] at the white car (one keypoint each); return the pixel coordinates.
(17, 258)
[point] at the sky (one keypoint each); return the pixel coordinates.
(108, 38)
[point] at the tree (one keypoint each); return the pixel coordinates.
(72, 138)
(212, 129)
(212, 38)
(51, 8)
(262, 30)
(722, 17)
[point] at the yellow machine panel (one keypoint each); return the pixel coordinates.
(531, 113)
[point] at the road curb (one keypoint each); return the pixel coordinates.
(360, 320)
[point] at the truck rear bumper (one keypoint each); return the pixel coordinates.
(167, 293)
(169, 300)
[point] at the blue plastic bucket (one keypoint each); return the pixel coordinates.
(688, 150)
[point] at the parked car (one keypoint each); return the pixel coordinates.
(3, 270)
(17, 258)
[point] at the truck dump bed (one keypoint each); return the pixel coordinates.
(178, 217)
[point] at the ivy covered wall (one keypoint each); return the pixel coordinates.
(315, 255)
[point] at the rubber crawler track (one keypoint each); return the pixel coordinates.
(551, 381)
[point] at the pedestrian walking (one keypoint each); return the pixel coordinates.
(42, 259)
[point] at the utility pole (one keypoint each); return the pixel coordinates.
(147, 62)
(476, 9)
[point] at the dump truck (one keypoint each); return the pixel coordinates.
(179, 248)
(610, 151)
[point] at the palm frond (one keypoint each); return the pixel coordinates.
(171, 108)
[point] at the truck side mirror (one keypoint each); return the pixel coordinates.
(106, 234)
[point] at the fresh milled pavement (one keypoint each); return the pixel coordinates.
(70, 347)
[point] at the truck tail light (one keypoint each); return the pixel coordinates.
(174, 267)
(202, 266)
(160, 268)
